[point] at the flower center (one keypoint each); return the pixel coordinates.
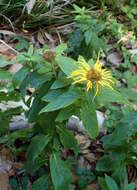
(93, 75)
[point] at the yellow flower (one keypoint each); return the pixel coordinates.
(92, 75)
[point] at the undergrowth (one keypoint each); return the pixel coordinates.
(70, 80)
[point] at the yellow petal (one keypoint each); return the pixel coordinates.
(89, 85)
(83, 63)
(97, 89)
(79, 81)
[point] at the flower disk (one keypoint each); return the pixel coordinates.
(92, 75)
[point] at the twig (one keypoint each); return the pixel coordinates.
(8, 21)
(65, 25)
(8, 46)
(60, 40)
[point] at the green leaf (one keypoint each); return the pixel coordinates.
(120, 174)
(4, 139)
(5, 75)
(111, 183)
(106, 96)
(88, 36)
(62, 101)
(9, 96)
(129, 94)
(92, 39)
(61, 48)
(46, 68)
(37, 145)
(19, 76)
(32, 166)
(41, 183)
(14, 184)
(4, 123)
(131, 186)
(37, 58)
(4, 62)
(37, 104)
(60, 173)
(67, 138)
(102, 183)
(134, 59)
(75, 41)
(107, 163)
(126, 128)
(129, 123)
(24, 182)
(99, 27)
(52, 95)
(34, 80)
(77, 8)
(24, 134)
(89, 119)
(30, 51)
(131, 79)
(66, 113)
(22, 43)
(60, 83)
(66, 64)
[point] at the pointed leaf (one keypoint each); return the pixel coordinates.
(130, 187)
(67, 138)
(60, 173)
(41, 183)
(89, 119)
(37, 145)
(66, 64)
(62, 101)
(111, 183)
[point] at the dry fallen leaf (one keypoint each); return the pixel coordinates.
(15, 67)
(83, 141)
(115, 58)
(6, 161)
(4, 180)
(29, 186)
(91, 157)
(93, 186)
(7, 32)
(41, 38)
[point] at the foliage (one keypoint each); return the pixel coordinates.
(45, 87)
(120, 148)
(94, 31)
(41, 13)
(46, 73)
(36, 14)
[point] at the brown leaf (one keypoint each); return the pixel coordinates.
(115, 58)
(90, 157)
(93, 186)
(41, 38)
(4, 180)
(49, 56)
(7, 32)
(83, 141)
(15, 67)
(29, 186)
(133, 69)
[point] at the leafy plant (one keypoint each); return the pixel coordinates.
(87, 37)
(47, 74)
(120, 148)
